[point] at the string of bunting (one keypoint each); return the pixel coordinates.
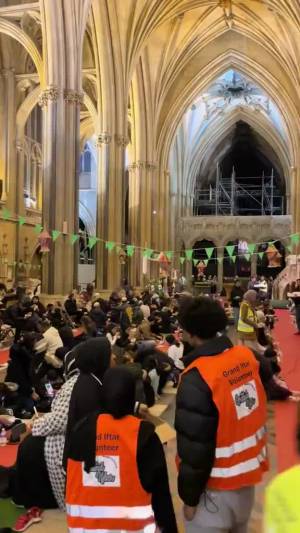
(149, 253)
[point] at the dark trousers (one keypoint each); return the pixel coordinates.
(297, 311)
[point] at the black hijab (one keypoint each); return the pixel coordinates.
(93, 356)
(119, 392)
(92, 359)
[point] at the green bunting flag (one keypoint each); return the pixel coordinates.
(209, 252)
(92, 242)
(233, 258)
(130, 250)
(55, 234)
(189, 254)
(6, 213)
(169, 255)
(205, 261)
(74, 238)
(195, 261)
(109, 245)
(21, 220)
(147, 253)
(182, 260)
(295, 238)
(230, 249)
(38, 228)
(261, 254)
(251, 248)
(247, 256)
(289, 248)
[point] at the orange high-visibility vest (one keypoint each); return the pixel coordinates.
(237, 391)
(110, 496)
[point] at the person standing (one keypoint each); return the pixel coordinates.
(236, 297)
(247, 323)
(220, 423)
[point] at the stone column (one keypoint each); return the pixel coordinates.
(134, 201)
(253, 265)
(61, 151)
(220, 256)
(110, 207)
(7, 139)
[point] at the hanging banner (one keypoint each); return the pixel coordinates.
(209, 252)
(92, 242)
(74, 238)
(21, 220)
(169, 255)
(182, 260)
(189, 254)
(147, 253)
(251, 248)
(109, 245)
(38, 228)
(55, 234)
(130, 250)
(230, 249)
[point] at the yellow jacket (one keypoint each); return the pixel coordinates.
(282, 509)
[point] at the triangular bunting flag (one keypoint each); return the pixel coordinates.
(209, 252)
(233, 258)
(295, 238)
(220, 259)
(189, 254)
(38, 228)
(182, 260)
(169, 255)
(147, 253)
(6, 213)
(251, 248)
(55, 234)
(205, 261)
(247, 256)
(230, 249)
(74, 237)
(130, 250)
(92, 242)
(195, 261)
(21, 220)
(109, 245)
(289, 247)
(261, 254)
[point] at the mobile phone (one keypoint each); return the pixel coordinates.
(49, 390)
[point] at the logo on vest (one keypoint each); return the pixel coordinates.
(245, 399)
(105, 473)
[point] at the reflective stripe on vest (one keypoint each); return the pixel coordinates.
(238, 394)
(242, 326)
(113, 511)
(151, 528)
(242, 445)
(110, 496)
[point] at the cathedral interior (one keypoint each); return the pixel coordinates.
(127, 122)
(149, 139)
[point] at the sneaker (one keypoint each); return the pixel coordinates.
(26, 520)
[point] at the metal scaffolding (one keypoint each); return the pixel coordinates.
(239, 196)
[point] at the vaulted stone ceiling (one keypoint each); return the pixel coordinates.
(144, 64)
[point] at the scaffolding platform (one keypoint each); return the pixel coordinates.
(239, 196)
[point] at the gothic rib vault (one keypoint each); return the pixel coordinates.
(126, 73)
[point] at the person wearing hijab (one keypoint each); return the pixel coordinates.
(117, 467)
(38, 481)
(93, 358)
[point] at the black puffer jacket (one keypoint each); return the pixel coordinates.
(196, 423)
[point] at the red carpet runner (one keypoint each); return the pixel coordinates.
(286, 412)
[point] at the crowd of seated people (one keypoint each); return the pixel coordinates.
(59, 357)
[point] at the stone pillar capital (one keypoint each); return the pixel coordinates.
(73, 97)
(103, 138)
(50, 94)
(121, 140)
